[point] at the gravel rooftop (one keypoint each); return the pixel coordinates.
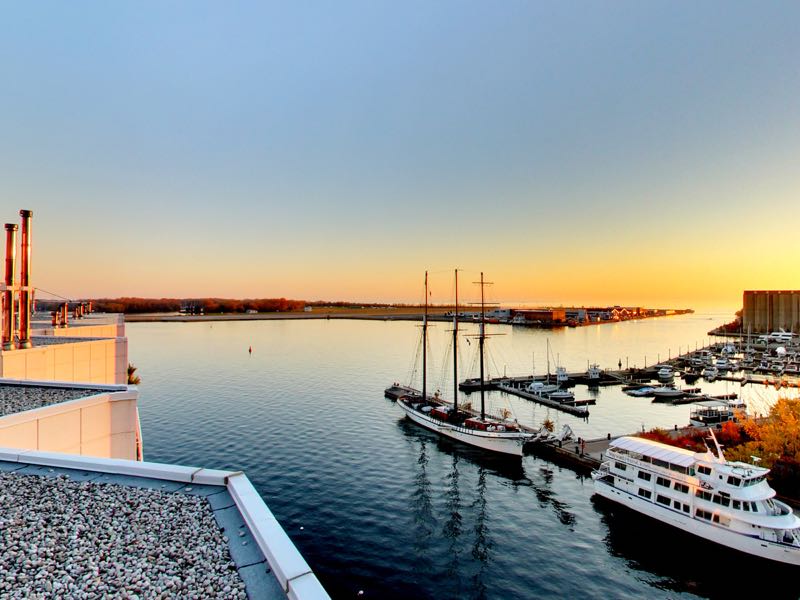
(46, 340)
(74, 534)
(18, 398)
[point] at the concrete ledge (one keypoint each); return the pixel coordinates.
(213, 477)
(102, 465)
(282, 555)
(100, 387)
(307, 587)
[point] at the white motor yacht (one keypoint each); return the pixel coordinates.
(729, 503)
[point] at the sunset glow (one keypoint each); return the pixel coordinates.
(620, 153)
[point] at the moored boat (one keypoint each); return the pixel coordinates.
(729, 503)
(666, 392)
(641, 392)
(482, 431)
(710, 413)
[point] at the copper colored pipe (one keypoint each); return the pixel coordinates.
(25, 281)
(8, 294)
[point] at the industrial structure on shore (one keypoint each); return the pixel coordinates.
(764, 311)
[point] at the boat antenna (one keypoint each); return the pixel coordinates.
(425, 343)
(455, 351)
(716, 444)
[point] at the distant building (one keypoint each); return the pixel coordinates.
(545, 316)
(764, 311)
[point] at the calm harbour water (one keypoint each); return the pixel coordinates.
(379, 505)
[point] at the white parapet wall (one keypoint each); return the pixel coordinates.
(103, 361)
(104, 424)
(96, 325)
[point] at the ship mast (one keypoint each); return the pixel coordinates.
(425, 343)
(455, 351)
(481, 339)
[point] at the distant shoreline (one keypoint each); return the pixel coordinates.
(372, 314)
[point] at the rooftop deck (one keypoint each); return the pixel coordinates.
(84, 528)
(19, 397)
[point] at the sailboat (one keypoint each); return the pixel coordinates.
(433, 413)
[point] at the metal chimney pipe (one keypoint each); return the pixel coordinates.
(9, 317)
(25, 281)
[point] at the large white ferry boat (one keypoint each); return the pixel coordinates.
(729, 503)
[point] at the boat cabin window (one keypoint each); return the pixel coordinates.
(715, 518)
(704, 470)
(734, 480)
(662, 500)
(754, 481)
(644, 475)
(702, 494)
(737, 505)
(644, 493)
(746, 506)
(620, 466)
(663, 482)
(681, 488)
(679, 469)
(702, 514)
(754, 507)
(686, 508)
(660, 463)
(676, 505)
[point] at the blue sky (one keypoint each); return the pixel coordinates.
(335, 151)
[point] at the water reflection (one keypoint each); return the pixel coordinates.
(465, 524)
(670, 559)
(482, 546)
(453, 525)
(421, 503)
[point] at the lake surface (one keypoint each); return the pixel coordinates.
(379, 505)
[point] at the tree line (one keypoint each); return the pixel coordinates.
(132, 305)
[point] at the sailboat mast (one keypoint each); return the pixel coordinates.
(548, 360)
(425, 344)
(455, 351)
(481, 338)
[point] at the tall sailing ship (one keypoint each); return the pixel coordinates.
(729, 503)
(432, 412)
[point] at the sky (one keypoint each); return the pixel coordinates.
(576, 152)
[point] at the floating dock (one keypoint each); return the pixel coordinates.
(574, 407)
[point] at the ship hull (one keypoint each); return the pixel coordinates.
(713, 533)
(510, 444)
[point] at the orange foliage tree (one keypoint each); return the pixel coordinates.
(776, 441)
